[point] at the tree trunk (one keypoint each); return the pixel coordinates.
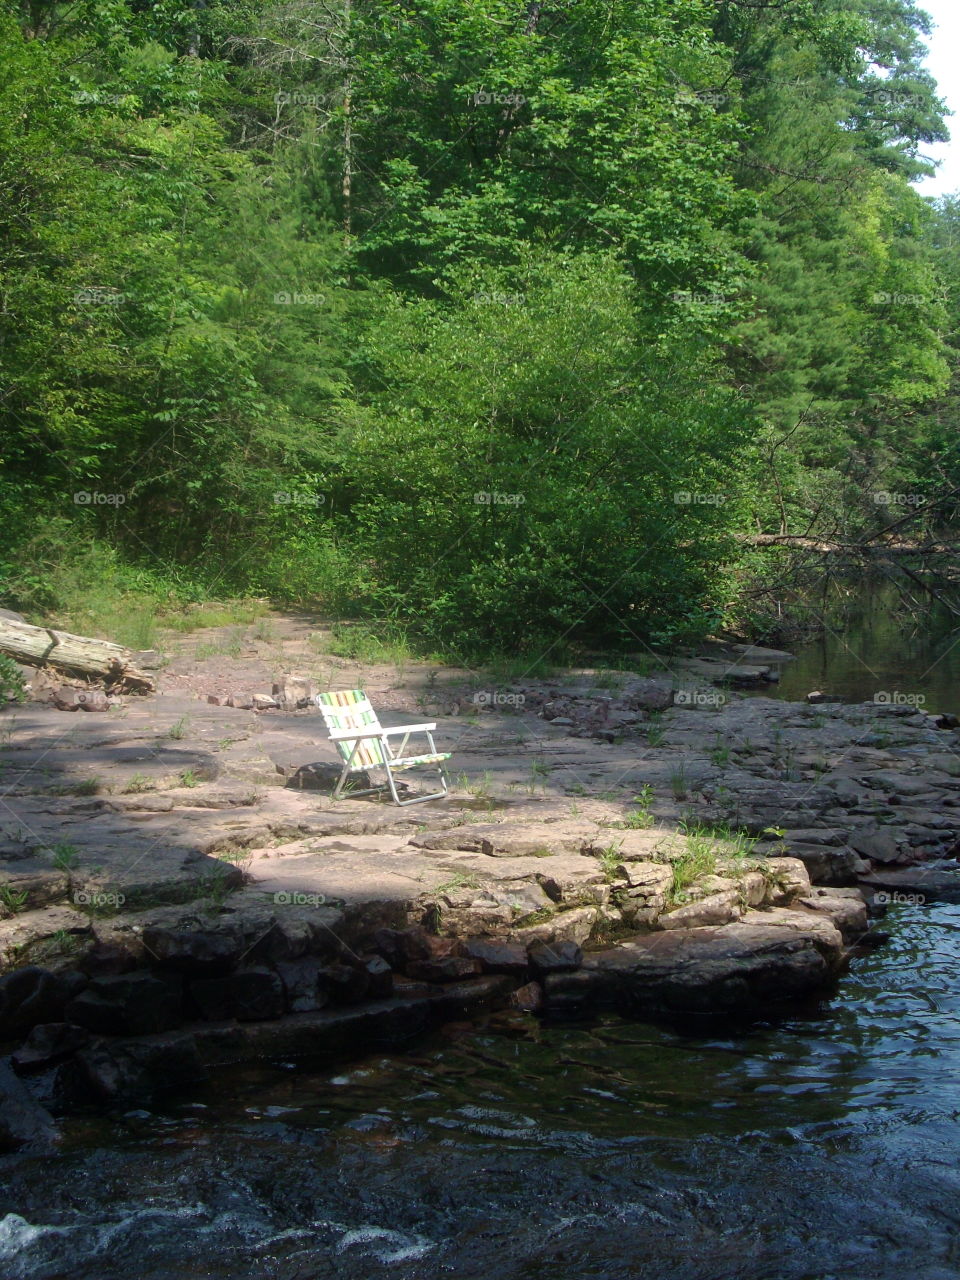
(74, 655)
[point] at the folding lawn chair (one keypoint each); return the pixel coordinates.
(364, 744)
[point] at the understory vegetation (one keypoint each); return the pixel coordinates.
(502, 327)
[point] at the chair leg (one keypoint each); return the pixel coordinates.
(338, 789)
(434, 795)
(344, 774)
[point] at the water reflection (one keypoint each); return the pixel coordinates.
(874, 643)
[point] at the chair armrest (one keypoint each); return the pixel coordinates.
(411, 728)
(339, 735)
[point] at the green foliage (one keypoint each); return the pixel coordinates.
(12, 685)
(287, 288)
(507, 467)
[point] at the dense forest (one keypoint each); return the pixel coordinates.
(512, 324)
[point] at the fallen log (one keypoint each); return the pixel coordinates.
(74, 655)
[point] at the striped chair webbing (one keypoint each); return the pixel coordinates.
(351, 709)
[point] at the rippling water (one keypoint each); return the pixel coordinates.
(822, 1147)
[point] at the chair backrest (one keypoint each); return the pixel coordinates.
(351, 709)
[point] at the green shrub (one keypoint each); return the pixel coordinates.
(12, 687)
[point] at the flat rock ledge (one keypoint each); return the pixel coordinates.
(177, 894)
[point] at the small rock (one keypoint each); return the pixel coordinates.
(294, 691)
(528, 997)
(23, 1122)
(69, 699)
(47, 1044)
(555, 957)
(129, 1004)
(716, 908)
(194, 950)
(301, 982)
(28, 997)
(136, 1071)
(849, 914)
(345, 983)
(107, 959)
(498, 957)
(381, 977)
(880, 844)
(249, 995)
(447, 969)
(263, 702)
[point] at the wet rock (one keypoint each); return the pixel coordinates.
(23, 1122)
(934, 882)
(337, 1029)
(129, 1004)
(762, 653)
(557, 957)
(249, 995)
(740, 967)
(345, 983)
(498, 957)
(714, 909)
(405, 988)
(135, 1071)
(28, 997)
(302, 985)
(447, 969)
(528, 997)
(380, 975)
(199, 949)
(459, 999)
(578, 991)
(48, 1044)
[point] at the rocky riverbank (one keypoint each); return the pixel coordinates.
(180, 893)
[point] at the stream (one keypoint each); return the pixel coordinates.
(819, 1147)
(870, 644)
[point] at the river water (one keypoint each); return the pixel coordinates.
(820, 1147)
(869, 643)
